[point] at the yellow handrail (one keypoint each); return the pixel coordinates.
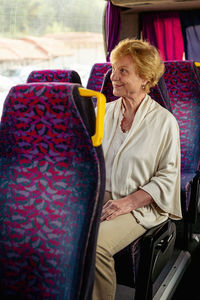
(101, 103)
(197, 64)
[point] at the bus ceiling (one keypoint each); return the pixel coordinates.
(152, 5)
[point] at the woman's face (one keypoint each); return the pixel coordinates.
(126, 82)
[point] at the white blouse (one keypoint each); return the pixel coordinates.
(118, 139)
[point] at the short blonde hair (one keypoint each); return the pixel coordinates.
(149, 65)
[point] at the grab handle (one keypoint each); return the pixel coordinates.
(101, 103)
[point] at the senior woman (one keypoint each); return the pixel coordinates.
(142, 154)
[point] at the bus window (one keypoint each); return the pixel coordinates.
(48, 34)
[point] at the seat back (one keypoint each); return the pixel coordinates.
(159, 93)
(107, 88)
(96, 76)
(50, 187)
(54, 75)
(183, 84)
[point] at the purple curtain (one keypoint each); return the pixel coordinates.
(163, 30)
(113, 23)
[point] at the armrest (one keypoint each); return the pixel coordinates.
(191, 216)
(156, 249)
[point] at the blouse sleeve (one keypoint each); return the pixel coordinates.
(164, 186)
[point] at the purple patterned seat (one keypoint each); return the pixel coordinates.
(107, 88)
(52, 190)
(160, 94)
(97, 76)
(54, 75)
(130, 269)
(183, 84)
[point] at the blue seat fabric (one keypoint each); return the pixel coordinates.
(96, 76)
(50, 201)
(183, 84)
(54, 75)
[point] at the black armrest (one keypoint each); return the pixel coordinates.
(191, 216)
(156, 249)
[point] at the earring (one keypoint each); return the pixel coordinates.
(143, 86)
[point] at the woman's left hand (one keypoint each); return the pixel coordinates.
(114, 208)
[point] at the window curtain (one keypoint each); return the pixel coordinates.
(190, 21)
(113, 23)
(163, 30)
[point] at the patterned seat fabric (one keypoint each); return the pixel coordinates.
(183, 84)
(107, 88)
(160, 94)
(97, 76)
(49, 186)
(54, 75)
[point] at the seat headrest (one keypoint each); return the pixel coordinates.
(96, 77)
(54, 75)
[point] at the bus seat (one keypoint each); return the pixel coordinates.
(183, 84)
(159, 92)
(52, 183)
(140, 263)
(107, 88)
(54, 75)
(96, 76)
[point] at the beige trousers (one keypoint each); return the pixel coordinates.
(113, 236)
